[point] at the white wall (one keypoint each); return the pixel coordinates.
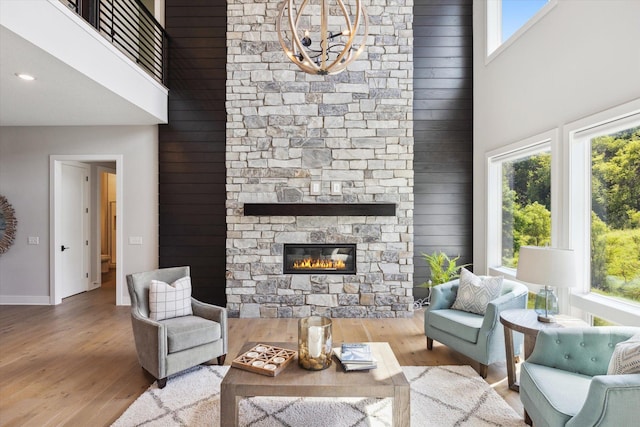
(581, 58)
(24, 180)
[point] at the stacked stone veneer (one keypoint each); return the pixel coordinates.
(286, 130)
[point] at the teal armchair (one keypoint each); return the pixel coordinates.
(478, 337)
(565, 383)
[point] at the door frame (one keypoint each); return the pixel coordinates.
(55, 170)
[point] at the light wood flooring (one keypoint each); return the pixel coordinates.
(75, 364)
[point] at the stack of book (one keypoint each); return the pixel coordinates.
(355, 356)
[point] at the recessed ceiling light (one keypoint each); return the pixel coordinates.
(27, 77)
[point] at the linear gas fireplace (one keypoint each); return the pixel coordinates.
(319, 258)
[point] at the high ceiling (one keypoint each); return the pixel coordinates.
(60, 95)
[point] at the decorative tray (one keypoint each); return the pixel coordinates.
(264, 359)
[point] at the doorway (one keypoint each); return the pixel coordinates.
(93, 235)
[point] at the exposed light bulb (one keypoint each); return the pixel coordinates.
(306, 40)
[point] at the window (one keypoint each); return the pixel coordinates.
(615, 214)
(526, 205)
(520, 199)
(589, 182)
(516, 13)
(508, 19)
(605, 210)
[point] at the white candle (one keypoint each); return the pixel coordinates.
(315, 341)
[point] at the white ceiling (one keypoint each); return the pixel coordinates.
(60, 95)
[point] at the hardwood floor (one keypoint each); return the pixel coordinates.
(75, 364)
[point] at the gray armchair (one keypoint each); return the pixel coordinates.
(478, 337)
(168, 346)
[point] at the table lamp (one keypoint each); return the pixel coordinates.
(548, 267)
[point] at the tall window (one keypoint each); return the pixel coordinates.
(615, 214)
(526, 205)
(519, 199)
(603, 208)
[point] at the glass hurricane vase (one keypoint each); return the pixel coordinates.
(314, 343)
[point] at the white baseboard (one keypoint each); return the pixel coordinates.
(24, 300)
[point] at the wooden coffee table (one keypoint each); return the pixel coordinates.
(387, 380)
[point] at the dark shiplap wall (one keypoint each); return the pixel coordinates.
(192, 146)
(443, 130)
(192, 170)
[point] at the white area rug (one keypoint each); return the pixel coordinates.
(440, 396)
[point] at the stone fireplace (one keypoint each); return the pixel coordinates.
(319, 160)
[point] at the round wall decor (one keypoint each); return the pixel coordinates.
(8, 224)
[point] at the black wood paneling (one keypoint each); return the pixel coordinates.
(192, 146)
(443, 130)
(192, 170)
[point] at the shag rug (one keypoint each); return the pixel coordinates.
(440, 396)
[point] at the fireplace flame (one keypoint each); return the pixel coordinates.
(316, 264)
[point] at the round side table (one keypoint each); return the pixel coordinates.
(526, 322)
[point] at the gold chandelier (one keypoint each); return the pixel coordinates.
(325, 42)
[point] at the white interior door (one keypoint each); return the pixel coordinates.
(74, 246)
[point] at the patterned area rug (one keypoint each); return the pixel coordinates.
(440, 396)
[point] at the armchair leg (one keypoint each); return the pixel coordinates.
(483, 370)
(221, 359)
(527, 419)
(162, 382)
(429, 343)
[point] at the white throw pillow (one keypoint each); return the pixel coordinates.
(475, 293)
(170, 300)
(626, 357)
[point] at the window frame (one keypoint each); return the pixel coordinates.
(540, 143)
(493, 27)
(568, 200)
(578, 209)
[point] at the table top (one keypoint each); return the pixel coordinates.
(526, 321)
(333, 381)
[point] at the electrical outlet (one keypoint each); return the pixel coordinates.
(33, 240)
(315, 189)
(336, 187)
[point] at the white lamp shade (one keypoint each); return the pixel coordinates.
(547, 266)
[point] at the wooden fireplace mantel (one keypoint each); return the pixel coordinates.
(319, 209)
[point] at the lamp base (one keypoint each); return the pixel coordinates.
(546, 319)
(546, 305)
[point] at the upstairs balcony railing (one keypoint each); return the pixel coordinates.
(130, 27)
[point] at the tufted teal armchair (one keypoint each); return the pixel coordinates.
(480, 338)
(565, 383)
(168, 346)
